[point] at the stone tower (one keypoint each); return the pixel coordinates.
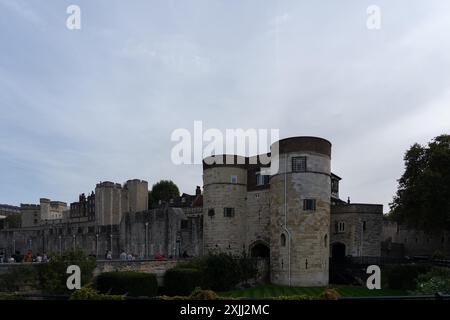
(137, 195)
(110, 203)
(112, 200)
(300, 212)
(224, 196)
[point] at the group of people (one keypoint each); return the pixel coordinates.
(127, 257)
(17, 257)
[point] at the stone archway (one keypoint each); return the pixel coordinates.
(338, 252)
(259, 249)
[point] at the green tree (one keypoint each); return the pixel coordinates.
(163, 190)
(52, 275)
(423, 196)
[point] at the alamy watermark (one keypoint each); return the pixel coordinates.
(73, 21)
(209, 145)
(74, 280)
(374, 17)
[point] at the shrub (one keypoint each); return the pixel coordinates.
(434, 281)
(403, 277)
(181, 281)
(130, 283)
(20, 278)
(9, 296)
(52, 275)
(88, 293)
(221, 271)
(248, 268)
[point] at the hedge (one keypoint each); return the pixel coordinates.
(130, 283)
(181, 281)
(404, 277)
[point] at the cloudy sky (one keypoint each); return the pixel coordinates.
(100, 103)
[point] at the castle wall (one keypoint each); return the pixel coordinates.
(358, 240)
(414, 242)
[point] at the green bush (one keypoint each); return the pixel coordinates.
(53, 276)
(403, 277)
(434, 281)
(181, 281)
(9, 296)
(20, 278)
(88, 293)
(221, 272)
(248, 268)
(130, 283)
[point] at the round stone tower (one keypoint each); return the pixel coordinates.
(300, 212)
(224, 194)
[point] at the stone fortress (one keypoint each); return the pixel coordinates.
(293, 219)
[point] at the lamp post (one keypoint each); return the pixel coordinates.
(96, 245)
(146, 240)
(111, 245)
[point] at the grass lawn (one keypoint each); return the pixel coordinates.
(275, 291)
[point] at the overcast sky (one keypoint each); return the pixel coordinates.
(82, 106)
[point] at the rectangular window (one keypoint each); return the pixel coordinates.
(298, 164)
(228, 212)
(341, 226)
(259, 179)
(234, 179)
(364, 226)
(334, 186)
(309, 204)
(184, 224)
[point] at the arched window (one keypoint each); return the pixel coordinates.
(325, 241)
(283, 240)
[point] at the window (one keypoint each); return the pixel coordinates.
(184, 224)
(228, 212)
(261, 179)
(364, 226)
(341, 226)
(309, 204)
(334, 186)
(233, 179)
(283, 240)
(325, 241)
(211, 212)
(257, 195)
(298, 164)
